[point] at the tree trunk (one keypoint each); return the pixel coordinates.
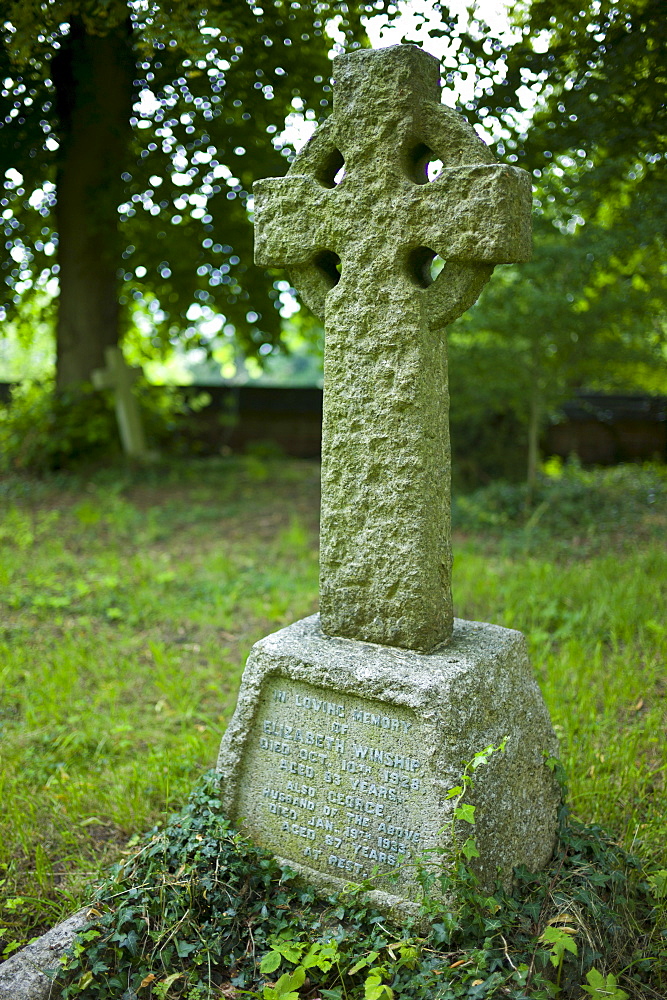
(93, 76)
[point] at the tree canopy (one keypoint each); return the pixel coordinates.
(130, 134)
(578, 95)
(557, 324)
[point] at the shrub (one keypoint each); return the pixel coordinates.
(568, 500)
(44, 430)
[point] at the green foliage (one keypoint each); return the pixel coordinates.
(211, 91)
(197, 910)
(658, 884)
(44, 430)
(600, 117)
(560, 321)
(488, 445)
(558, 941)
(27, 345)
(464, 812)
(129, 598)
(586, 582)
(603, 986)
(576, 93)
(568, 319)
(569, 502)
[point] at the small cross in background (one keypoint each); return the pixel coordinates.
(120, 377)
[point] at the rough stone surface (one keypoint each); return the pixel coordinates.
(24, 975)
(340, 754)
(385, 562)
(351, 728)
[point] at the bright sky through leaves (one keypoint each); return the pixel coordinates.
(415, 21)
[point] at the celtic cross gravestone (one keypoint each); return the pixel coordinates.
(352, 726)
(360, 253)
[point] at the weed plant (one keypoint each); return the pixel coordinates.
(130, 599)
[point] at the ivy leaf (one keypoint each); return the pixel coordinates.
(286, 986)
(469, 849)
(318, 957)
(130, 941)
(375, 989)
(466, 812)
(170, 980)
(363, 962)
(184, 948)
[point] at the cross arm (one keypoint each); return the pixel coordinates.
(479, 213)
(103, 379)
(116, 373)
(290, 220)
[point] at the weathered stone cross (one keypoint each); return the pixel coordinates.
(360, 252)
(120, 377)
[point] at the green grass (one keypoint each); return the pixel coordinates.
(598, 639)
(130, 602)
(129, 608)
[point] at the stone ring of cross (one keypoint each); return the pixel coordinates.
(357, 207)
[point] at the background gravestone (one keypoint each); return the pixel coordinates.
(351, 727)
(119, 377)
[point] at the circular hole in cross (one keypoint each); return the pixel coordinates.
(424, 266)
(422, 164)
(332, 170)
(328, 263)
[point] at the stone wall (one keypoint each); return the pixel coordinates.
(600, 429)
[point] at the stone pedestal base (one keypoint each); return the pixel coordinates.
(340, 755)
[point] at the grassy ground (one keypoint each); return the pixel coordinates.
(130, 601)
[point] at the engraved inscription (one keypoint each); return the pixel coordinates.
(338, 783)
